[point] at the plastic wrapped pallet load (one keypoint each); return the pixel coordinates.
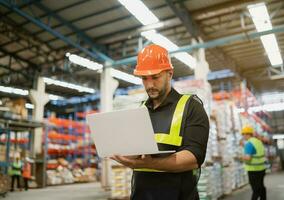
(53, 177)
(227, 180)
(121, 182)
(91, 174)
(66, 175)
(210, 182)
(204, 184)
(5, 183)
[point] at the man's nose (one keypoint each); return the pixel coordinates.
(149, 83)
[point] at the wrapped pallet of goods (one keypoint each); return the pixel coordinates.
(212, 151)
(227, 177)
(210, 182)
(5, 183)
(53, 177)
(200, 88)
(121, 182)
(204, 185)
(2, 153)
(79, 175)
(66, 174)
(133, 100)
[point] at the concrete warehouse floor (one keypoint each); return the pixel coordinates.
(92, 191)
(88, 191)
(274, 187)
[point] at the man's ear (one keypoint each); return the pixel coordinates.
(171, 73)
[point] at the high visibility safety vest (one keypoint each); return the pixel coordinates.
(257, 162)
(173, 137)
(27, 170)
(16, 168)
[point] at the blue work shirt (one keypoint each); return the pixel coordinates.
(249, 149)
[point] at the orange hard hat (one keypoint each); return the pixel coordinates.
(151, 60)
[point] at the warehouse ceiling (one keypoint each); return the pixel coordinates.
(35, 36)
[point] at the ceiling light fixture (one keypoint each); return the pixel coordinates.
(272, 107)
(12, 90)
(278, 136)
(262, 22)
(78, 60)
(140, 11)
(29, 106)
(25, 92)
(125, 76)
(146, 17)
(55, 97)
(98, 67)
(79, 88)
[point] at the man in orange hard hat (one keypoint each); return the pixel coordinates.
(180, 123)
(254, 158)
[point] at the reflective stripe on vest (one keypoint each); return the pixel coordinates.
(173, 138)
(257, 162)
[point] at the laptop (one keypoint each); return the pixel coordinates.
(123, 132)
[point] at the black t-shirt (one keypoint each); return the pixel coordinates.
(195, 131)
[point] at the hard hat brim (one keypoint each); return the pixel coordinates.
(247, 133)
(149, 72)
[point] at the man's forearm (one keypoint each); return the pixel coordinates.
(246, 158)
(178, 162)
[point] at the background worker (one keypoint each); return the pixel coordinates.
(16, 172)
(254, 158)
(180, 123)
(26, 173)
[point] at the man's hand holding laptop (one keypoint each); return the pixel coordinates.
(141, 161)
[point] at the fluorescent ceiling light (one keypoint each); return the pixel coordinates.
(29, 106)
(54, 97)
(272, 107)
(95, 66)
(271, 47)
(14, 90)
(161, 40)
(79, 88)
(25, 93)
(146, 17)
(278, 136)
(262, 22)
(260, 17)
(125, 76)
(83, 62)
(186, 59)
(140, 11)
(273, 97)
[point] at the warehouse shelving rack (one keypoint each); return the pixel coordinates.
(69, 132)
(8, 126)
(4, 164)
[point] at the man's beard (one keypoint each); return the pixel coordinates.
(156, 94)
